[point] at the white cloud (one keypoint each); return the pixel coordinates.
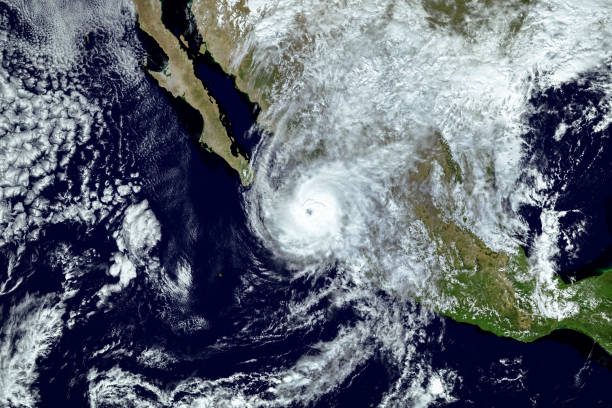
(139, 233)
(363, 89)
(44, 121)
(29, 332)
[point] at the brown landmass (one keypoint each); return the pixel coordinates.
(179, 79)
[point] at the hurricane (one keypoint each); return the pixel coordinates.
(382, 107)
(379, 114)
(381, 103)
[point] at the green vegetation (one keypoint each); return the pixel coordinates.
(466, 17)
(450, 166)
(594, 295)
(494, 290)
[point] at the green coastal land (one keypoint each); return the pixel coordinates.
(495, 291)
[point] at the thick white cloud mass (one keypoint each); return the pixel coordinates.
(139, 233)
(28, 334)
(365, 89)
